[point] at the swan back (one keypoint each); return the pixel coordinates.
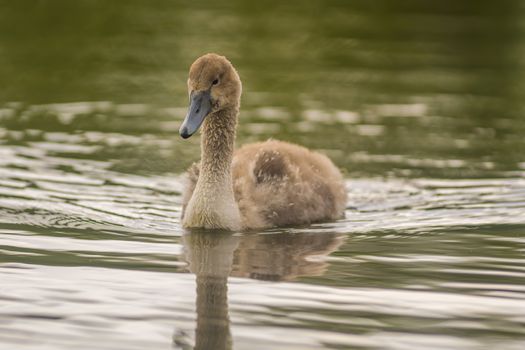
(278, 183)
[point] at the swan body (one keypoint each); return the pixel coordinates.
(260, 185)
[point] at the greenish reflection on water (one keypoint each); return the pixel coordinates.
(438, 81)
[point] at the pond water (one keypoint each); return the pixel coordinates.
(421, 104)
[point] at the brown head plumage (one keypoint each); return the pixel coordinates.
(215, 73)
(213, 86)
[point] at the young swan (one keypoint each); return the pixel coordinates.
(260, 185)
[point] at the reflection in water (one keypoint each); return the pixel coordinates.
(212, 257)
(283, 256)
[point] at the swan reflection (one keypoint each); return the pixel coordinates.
(213, 257)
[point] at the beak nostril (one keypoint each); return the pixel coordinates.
(197, 111)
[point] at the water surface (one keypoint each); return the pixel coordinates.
(420, 105)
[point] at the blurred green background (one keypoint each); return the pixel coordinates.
(403, 88)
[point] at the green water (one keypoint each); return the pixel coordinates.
(420, 103)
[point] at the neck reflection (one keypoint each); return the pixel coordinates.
(213, 256)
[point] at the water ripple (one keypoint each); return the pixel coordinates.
(88, 247)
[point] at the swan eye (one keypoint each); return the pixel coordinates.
(215, 82)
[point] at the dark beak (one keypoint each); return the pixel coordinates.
(200, 107)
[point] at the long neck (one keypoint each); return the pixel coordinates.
(217, 143)
(213, 204)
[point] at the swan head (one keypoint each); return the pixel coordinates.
(213, 85)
